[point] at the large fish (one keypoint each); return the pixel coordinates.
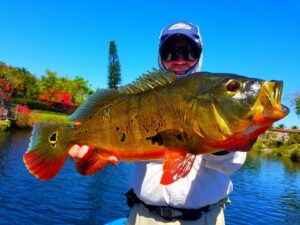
(160, 116)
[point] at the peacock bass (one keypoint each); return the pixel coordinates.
(160, 116)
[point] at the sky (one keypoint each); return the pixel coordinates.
(258, 38)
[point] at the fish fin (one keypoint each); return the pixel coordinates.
(91, 162)
(176, 166)
(102, 97)
(47, 151)
(150, 81)
(93, 103)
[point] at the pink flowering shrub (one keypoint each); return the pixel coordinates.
(24, 118)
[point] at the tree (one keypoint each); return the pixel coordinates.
(281, 126)
(54, 88)
(294, 127)
(5, 91)
(23, 84)
(19, 83)
(114, 68)
(297, 104)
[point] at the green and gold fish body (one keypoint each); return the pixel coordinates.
(160, 116)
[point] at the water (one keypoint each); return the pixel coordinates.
(266, 191)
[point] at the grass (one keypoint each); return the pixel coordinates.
(45, 116)
(25, 121)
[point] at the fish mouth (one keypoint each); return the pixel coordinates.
(270, 108)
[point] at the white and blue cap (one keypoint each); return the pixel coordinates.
(187, 29)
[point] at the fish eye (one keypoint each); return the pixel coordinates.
(233, 86)
(53, 139)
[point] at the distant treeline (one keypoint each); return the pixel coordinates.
(20, 86)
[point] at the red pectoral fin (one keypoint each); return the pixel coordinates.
(91, 162)
(176, 166)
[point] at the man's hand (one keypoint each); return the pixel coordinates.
(76, 152)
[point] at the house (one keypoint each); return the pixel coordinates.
(279, 134)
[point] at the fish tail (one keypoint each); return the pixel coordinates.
(47, 151)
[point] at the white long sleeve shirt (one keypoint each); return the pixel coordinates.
(207, 183)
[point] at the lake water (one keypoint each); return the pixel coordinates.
(266, 191)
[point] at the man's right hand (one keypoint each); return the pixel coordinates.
(77, 152)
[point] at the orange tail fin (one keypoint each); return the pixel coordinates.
(47, 151)
(42, 167)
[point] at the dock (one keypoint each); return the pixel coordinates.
(5, 118)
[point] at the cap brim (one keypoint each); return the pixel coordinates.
(189, 36)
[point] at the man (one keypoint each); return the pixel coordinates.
(199, 197)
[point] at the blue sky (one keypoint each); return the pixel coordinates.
(254, 38)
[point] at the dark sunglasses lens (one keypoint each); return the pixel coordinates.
(190, 53)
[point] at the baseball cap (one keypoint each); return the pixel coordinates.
(181, 27)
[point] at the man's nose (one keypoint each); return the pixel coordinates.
(180, 58)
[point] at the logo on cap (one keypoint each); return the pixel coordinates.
(180, 26)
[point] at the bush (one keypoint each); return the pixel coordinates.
(4, 125)
(293, 139)
(295, 156)
(32, 104)
(39, 105)
(24, 119)
(258, 146)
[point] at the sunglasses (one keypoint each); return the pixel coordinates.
(188, 52)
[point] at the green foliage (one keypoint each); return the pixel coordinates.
(263, 143)
(25, 85)
(24, 119)
(77, 88)
(281, 126)
(21, 81)
(114, 68)
(259, 145)
(295, 156)
(80, 91)
(4, 124)
(271, 135)
(294, 138)
(295, 127)
(287, 150)
(42, 116)
(296, 103)
(39, 105)
(32, 104)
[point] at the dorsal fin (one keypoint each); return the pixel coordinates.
(93, 103)
(102, 97)
(150, 81)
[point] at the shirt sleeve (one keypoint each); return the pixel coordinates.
(226, 164)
